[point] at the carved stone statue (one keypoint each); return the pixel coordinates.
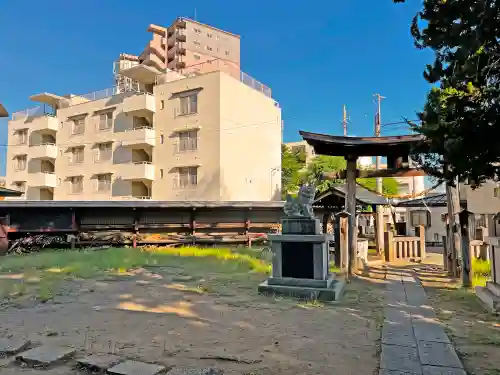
(302, 205)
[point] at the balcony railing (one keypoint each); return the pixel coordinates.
(41, 110)
(213, 66)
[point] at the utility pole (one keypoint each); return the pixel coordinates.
(344, 121)
(379, 222)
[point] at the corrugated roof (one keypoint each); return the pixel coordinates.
(431, 200)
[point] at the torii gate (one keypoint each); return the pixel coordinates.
(395, 148)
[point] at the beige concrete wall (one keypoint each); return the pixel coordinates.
(250, 143)
(207, 156)
(210, 41)
(481, 200)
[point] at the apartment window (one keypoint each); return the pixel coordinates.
(161, 173)
(162, 139)
(20, 161)
(188, 141)
(104, 151)
(209, 35)
(197, 31)
(76, 184)
(21, 136)
(196, 57)
(187, 177)
(103, 182)
(197, 44)
(209, 48)
(162, 104)
(227, 53)
(106, 121)
(79, 126)
(20, 186)
(189, 104)
(76, 155)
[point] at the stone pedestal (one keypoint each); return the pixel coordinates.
(301, 262)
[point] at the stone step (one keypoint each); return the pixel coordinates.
(491, 301)
(99, 362)
(331, 294)
(136, 368)
(45, 356)
(493, 288)
(13, 345)
(195, 371)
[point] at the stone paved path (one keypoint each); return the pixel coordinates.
(413, 341)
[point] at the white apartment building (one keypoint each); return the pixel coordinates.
(199, 133)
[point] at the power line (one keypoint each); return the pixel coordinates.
(76, 144)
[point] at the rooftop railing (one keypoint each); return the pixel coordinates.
(38, 111)
(213, 66)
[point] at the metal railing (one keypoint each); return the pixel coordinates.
(212, 66)
(38, 111)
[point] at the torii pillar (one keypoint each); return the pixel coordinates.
(350, 206)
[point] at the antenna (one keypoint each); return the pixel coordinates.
(344, 121)
(195, 15)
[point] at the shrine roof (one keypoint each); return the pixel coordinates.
(431, 200)
(334, 145)
(363, 196)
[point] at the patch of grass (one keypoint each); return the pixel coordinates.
(40, 272)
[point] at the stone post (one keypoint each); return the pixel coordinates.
(342, 241)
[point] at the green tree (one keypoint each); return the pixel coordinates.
(291, 165)
(323, 163)
(320, 164)
(390, 185)
(461, 118)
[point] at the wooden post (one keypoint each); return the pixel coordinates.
(247, 228)
(74, 228)
(389, 246)
(420, 232)
(193, 226)
(445, 251)
(350, 204)
(454, 220)
(342, 241)
(467, 227)
(135, 229)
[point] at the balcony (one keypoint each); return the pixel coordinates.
(176, 37)
(173, 52)
(42, 180)
(36, 119)
(138, 171)
(141, 104)
(138, 138)
(45, 123)
(43, 151)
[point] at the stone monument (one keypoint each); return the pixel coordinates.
(300, 266)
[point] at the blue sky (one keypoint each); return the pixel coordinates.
(316, 56)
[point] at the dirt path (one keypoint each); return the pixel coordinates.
(159, 316)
